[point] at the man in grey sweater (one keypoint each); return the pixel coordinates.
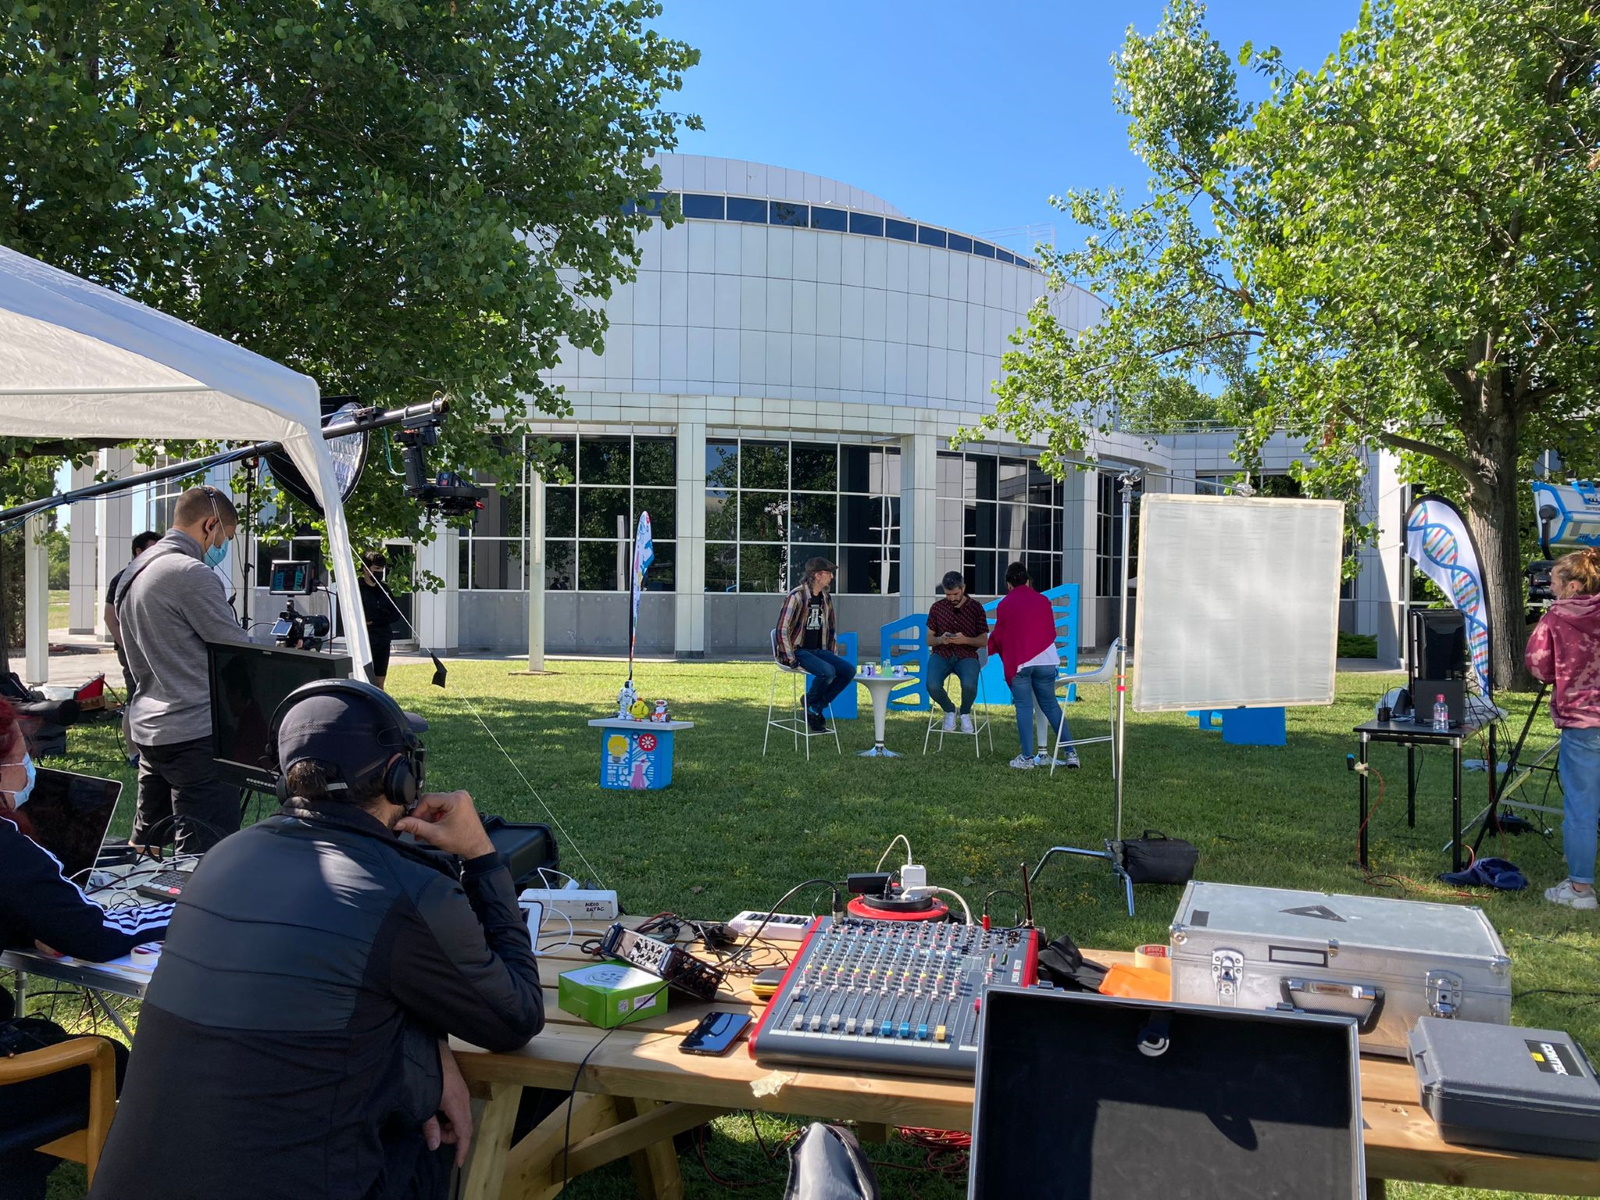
(171, 603)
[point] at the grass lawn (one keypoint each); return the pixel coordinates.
(59, 608)
(737, 830)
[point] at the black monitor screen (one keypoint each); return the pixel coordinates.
(1438, 644)
(70, 814)
(291, 578)
(247, 685)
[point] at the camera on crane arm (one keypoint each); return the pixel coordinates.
(443, 495)
(295, 629)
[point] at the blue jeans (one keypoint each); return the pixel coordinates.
(1030, 686)
(941, 668)
(1580, 787)
(829, 673)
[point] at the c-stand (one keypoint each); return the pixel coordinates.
(1515, 776)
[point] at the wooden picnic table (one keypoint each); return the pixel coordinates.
(637, 1090)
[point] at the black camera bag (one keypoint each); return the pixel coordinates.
(1157, 858)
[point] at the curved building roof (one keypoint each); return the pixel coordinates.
(784, 285)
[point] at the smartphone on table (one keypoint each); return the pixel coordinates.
(715, 1034)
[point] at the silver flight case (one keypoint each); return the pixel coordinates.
(1384, 962)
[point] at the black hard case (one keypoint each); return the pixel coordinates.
(1483, 1086)
(1241, 1105)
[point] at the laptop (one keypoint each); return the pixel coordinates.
(71, 814)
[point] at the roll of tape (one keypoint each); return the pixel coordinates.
(1153, 957)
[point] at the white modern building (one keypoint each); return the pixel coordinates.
(782, 380)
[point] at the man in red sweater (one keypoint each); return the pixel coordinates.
(1564, 649)
(1024, 635)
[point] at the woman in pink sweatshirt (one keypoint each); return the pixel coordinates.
(1564, 650)
(1024, 636)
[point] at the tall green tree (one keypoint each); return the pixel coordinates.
(401, 198)
(1397, 250)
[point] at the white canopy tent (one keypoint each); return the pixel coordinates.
(80, 361)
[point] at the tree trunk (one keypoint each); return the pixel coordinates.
(1492, 516)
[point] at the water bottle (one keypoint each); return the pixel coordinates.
(884, 666)
(1441, 714)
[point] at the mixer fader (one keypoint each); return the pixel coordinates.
(891, 995)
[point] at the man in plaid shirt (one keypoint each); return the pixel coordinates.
(957, 629)
(807, 639)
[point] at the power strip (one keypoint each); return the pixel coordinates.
(677, 966)
(587, 905)
(780, 927)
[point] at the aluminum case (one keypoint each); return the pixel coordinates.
(1384, 962)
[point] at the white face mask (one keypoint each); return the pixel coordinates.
(20, 796)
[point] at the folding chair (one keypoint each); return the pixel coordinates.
(1105, 673)
(795, 720)
(980, 721)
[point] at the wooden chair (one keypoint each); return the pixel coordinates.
(56, 1133)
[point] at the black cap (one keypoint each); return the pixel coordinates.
(350, 736)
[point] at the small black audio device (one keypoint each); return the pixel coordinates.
(682, 970)
(890, 995)
(715, 1034)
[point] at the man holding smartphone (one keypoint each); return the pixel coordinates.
(292, 1040)
(957, 629)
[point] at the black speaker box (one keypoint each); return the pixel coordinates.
(527, 848)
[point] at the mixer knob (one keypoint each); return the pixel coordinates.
(905, 1029)
(922, 1033)
(833, 1022)
(886, 1029)
(939, 1033)
(816, 1022)
(850, 1026)
(799, 1021)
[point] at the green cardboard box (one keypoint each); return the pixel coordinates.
(611, 993)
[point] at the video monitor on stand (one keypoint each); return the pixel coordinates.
(1437, 662)
(247, 685)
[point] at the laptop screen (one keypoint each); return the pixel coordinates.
(70, 815)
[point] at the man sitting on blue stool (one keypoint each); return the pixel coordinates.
(807, 639)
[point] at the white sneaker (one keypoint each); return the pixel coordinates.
(1022, 762)
(966, 722)
(1071, 761)
(949, 725)
(1565, 893)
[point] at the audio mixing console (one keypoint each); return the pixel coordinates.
(900, 996)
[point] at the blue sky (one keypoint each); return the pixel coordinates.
(969, 115)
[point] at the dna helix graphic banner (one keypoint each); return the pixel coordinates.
(1438, 542)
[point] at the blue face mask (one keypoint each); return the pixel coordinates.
(216, 554)
(20, 797)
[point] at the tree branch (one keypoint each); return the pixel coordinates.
(1205, 341)
(1450, 458)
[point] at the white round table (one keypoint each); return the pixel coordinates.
(879, 686)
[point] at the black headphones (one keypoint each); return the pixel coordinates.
(402, 776)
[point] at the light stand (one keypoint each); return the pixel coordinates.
(1125, 484)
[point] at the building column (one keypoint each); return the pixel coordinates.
(36, 600)
(113, 532)
(438, 618)
(1383, 577)
(535, 527)
(919, 464)
(82, 611)
(689, 602)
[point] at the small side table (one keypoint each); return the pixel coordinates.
(879, 686)
(636, 755)
(1411, 735)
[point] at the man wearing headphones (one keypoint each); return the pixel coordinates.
(291, 1041)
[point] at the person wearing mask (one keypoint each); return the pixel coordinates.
(807, 638)
(1024, 636)
(1564, 650)
(42, 910)
(170, 602)
(957, 629)
(292, 1039)
(380, 611)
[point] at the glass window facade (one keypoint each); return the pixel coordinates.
(995, 509)
(589, 523)
(701, 206)
(770, 505)
(1108, 534)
